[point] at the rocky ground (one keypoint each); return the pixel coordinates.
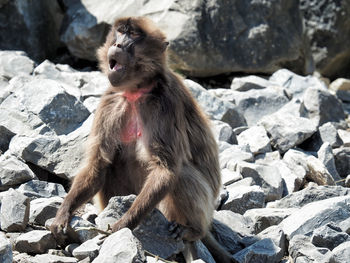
(284, 146)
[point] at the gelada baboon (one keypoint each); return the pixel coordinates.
(149, 138)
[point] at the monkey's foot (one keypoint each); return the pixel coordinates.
(177, 231)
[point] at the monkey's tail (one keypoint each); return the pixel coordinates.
(217, 251)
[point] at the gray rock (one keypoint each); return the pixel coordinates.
(309, 195)
(345, 226)
(234, 154)
(294, 84)
(262, 251)
(263, 218)
(202, 252)
(46, 258)
(256, 138)
(57, 109)
(121, 246)
(275, 233)
(216, 108)
(287, 131)
(236, 222)
(153, 232)
(35, 241)
(91, 103)
(254, 104)
(328, 133)
(326, 27)
(316, 214)
(42, 209)
(229, 177)
(347, 181)
(345, 137)
(248, 83)
(268, 157)
(13, 172)
(322, 106)
(14, 211)
(89, 249)
(83, 229)
(243, 198)
(342, 160)
(266, 176)
(192, 51)
(15, 63)
(37, 189)
(223, 132)
(329, 236)
(5, 138)
(302, 250)
(341, 253)
(325, 155)
(5, 249)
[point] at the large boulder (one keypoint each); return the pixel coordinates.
(207, 38)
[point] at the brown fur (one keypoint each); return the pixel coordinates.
(173, 166)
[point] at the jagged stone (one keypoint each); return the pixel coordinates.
(256, 138)
(35, 241)
(40, 189)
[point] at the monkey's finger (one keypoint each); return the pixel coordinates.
(173, 225)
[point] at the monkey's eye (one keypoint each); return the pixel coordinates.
(134, 34)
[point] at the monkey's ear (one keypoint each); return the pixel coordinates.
(165, 45)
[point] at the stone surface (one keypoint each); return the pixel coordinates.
(5, 138)
(46, 258)
(14, 63)
(5, 249)
(342, 160)
(229, 177)
(13, 172)
(287, 131)
(276, 234)
(345, 137)
(329, 236)
(37, 189)
(89, 249)
(325, 155)
(35, 241)
(233, 154)
(341, 253)
(121, 246)
(215, 107)
(223, 132)
(42, 209)
(256, 138)
(14, 211)
(248, 83)
(243, 198)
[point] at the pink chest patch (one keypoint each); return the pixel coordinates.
(133, 127)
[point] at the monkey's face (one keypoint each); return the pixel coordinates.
(133, 53)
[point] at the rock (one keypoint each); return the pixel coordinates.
(14, 63)
(326, 27)
(60, 111)
(329, 236)
(287, 131)
(325, 155)
(341, 253)
(153, 232)
(342, 160)
(243, 198)
(345, 137)
(309, 195)
(121, 246)
(264, 251)
(268, 157)
(322, 107)
(83, 229)
(275, 233)
(223, 132)
(316, 214)
(248, 83)
(263, 218)
(37, 189)
(59, 155)
(340, 84)
(256, 138)
(202, 252)
(42, 209)
(13, 172)
(5, 138)
(347, 181)
(5, 249)
(328, 133)
(216, 108)
(302, 250)
(14, 211)
(35, 241)
(266, 176)
(254, 104)
(46, 258)
(192, 51)
(234, 154)
(89, 249)
(229, 177)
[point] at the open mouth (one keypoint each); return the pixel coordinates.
(114, 66)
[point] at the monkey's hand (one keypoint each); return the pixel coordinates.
(59, 227)
(177, 231)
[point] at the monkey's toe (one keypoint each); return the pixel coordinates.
(177, 231)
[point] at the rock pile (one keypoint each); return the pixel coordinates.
(284, 144)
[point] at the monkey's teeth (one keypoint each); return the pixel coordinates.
(117, 67)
